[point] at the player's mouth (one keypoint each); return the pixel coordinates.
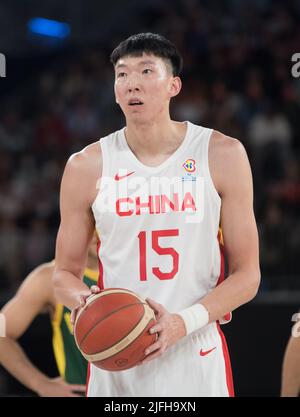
(135, 102)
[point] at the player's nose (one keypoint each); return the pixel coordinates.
(133, 84)
(133, 87)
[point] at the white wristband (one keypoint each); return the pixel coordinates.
(194, 317)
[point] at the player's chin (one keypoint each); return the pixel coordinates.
(138, 118)
(138, 110)
(141, 117)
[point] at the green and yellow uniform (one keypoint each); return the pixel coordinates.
(70, 363)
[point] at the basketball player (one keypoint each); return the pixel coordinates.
(36, 296)
(165, 189)
(290, 382)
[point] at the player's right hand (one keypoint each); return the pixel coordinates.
(94, 289)
(57, 387)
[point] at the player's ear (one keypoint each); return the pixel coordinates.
(175, 86)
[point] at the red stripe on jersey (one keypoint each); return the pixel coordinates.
(222, 254)
(221, 278)
(229, 379)
(100, 278)
(101, 286)
(87, 378)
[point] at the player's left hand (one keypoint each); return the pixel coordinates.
(94, 289)
(169, 328)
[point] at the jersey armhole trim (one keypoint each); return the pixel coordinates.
(103, 147)
(212, 188)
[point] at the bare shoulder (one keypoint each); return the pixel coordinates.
(39, 282)
(227, 160)
(34, 296)
(225, 148)
(35, 291)
(40, 274)
(87, 160)
(83, 171)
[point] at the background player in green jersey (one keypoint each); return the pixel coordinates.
(36, 296)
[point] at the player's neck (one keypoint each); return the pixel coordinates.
(150, 139)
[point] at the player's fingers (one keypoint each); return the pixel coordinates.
(156, 329)
(153, 347)
(73, 394)
(82, 300)
(79, 388)
(154, 355)
(73, 315)
(58, 379)
(153, 304)
(95, 289)
(158, 308)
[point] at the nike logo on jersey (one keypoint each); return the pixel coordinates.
(206, 352)
(120, 177)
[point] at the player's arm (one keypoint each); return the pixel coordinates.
(232, 177)
(78, 191)
(290, 386)
(32, 298)
(19, 312)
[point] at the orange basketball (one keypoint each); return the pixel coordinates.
(112, 330)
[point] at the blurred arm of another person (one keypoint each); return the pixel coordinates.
(34, 296)
(290, 383)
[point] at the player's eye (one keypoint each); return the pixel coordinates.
(147, 71)
(121, 74)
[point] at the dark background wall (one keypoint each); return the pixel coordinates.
(257, 339)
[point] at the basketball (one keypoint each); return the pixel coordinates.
(112, 329)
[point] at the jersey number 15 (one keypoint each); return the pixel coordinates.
(156, 235)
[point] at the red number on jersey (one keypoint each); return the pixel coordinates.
(156, 235)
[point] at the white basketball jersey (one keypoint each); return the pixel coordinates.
(158, 226)
(158, 230)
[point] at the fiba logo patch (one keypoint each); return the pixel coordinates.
(2, 325)
(190, 165)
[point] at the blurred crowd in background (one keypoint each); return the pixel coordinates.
(236, 79)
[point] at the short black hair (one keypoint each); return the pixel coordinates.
(150, 43)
